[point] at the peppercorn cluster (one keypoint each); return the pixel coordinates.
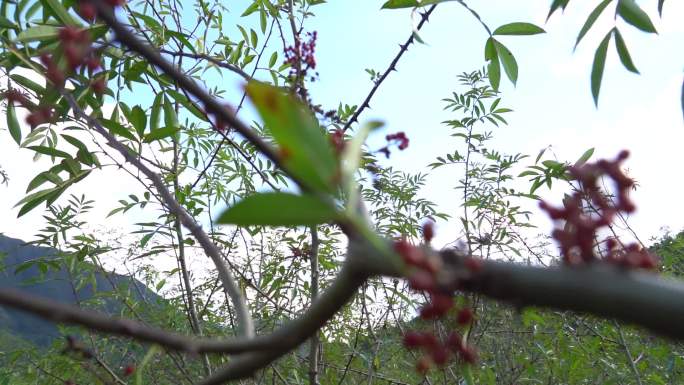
(422, 278)
(590, 209)
(74, 55)
(302, 56)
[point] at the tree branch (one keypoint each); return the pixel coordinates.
(211, 59)
(390, 68)
(350, 278)
(229, 285)
(635, 297)
(343, 288)
(211, 104)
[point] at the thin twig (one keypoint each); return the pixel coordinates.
(392, 67)
(229, 285)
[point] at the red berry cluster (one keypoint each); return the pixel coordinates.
(88, 11)
(629, 256)
(428, 231)
(76, 44)
(128, 370)
(38, 114)
(437, 352)
(399, 138)
(301, 56)
(576, 238)
(423, 277)
(337, 140)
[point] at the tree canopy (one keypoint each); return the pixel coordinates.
(282, 244)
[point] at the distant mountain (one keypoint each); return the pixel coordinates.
(54, 284)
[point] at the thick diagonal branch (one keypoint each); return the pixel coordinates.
(211, 104)
(280, 341)
(636, 297)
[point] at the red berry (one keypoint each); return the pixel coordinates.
(99, 85)
(55, 75)
(442, 303)
(474, 265)
(93, 63)
(46, 59)
(429, 339)
(87, 10)
(648, 261)
(465, 316)
(129, 369)
(430, 264)
(428, 231)
(421, 280)
(469, 354)
(413, 339)
(68, 34)
(423, 365)
(428, 312)
(410, 254)
(440, 355)
(14, 96)
(73, 55)
(455, 341)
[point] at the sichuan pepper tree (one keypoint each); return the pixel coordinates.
(310, 159)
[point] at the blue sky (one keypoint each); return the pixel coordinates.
(552, 101)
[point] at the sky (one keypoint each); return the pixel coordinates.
(552, 101)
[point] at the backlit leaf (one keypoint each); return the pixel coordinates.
(598, 66)
(518, 29)
(305, 149)
(631, 13)
(278, 209)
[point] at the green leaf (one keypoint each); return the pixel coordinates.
(156, 109)
(623, 53)
(251, 9)
(631, 13)
(592, 19)
(183, 100)
(306, 151)
(7, 23)
(33, 200)
(38, 33)
(117, 128)
(278, 209)
(507, 60)
(50, 151)
(493, 68)
(138, 120)
(273, 59)
(557, 4)
(518, 29)
(45, 176)
(13, 123)
(74, 142)
(351, 158)
(494, 73)
(160, 133)
(60, 12)
(585, 157)
(170, 117)
(28, 83)
(598, 66)
(397, 4)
